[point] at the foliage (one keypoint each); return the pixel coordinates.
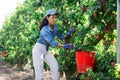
(94, 20)
(117, 70)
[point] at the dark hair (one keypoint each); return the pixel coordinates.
(44, 22)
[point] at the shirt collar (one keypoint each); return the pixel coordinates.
(50, 28)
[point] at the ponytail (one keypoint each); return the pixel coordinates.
(44, 22)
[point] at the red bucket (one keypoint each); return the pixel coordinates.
(84, 60)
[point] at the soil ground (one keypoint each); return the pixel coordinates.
(9, 73)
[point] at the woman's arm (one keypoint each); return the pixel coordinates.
(66, 46)
(61, 37)
(60, 45)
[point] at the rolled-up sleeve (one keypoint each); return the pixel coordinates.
(47, 36)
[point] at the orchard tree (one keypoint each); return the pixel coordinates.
(94, 20)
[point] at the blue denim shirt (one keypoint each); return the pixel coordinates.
(47, 36)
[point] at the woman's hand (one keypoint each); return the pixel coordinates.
(68, 46)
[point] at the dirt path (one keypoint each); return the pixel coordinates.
(9, 73)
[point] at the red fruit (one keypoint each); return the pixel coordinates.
(84, 8)
(104, 38)
(95, 15)
(112, 26)
(112, 15)
(112, 63)
(105, 42)
(97, 35)
(3, 54)
(106, 31)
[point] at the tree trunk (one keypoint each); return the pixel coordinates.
(19, 66)
(118, 31)
(68, 73)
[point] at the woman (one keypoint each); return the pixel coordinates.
(48, 30)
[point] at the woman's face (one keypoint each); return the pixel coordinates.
(52, 19)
